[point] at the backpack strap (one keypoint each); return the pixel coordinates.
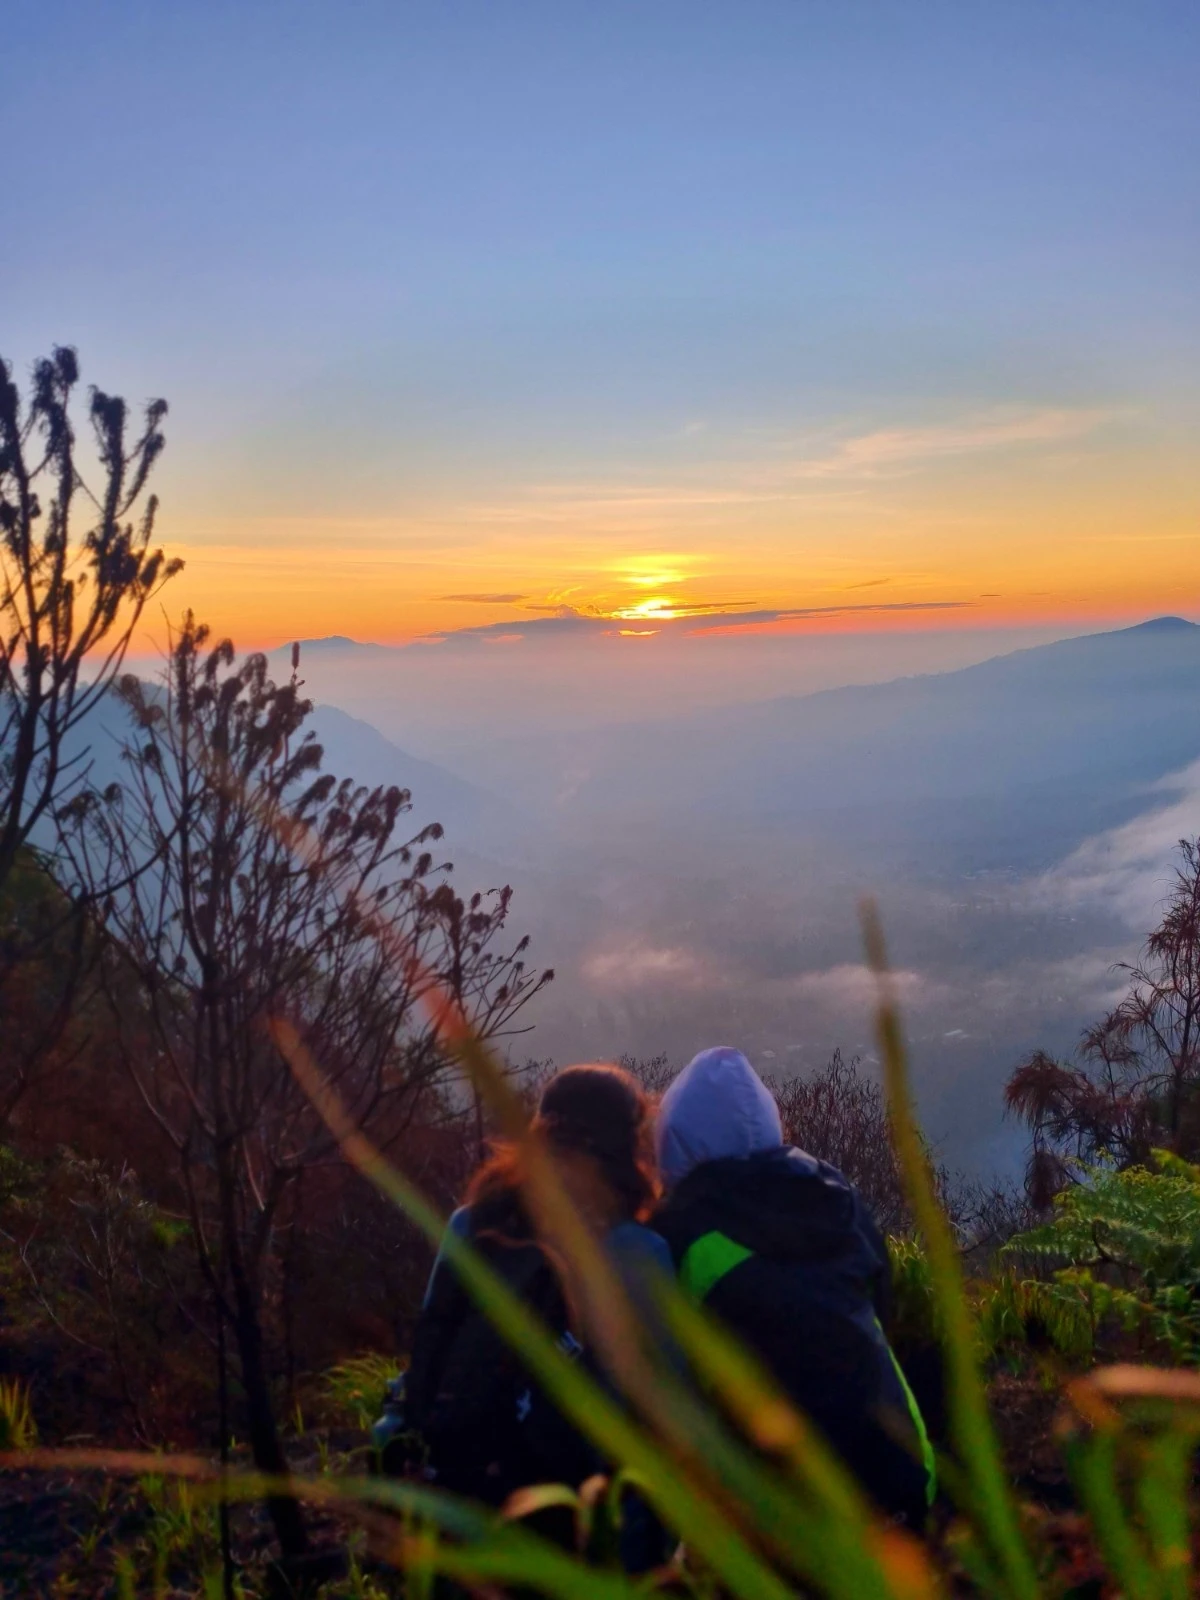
(707, 1260)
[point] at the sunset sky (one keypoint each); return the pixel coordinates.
(779, 315)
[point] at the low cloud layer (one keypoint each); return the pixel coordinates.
(1128, 870)
(680, 622)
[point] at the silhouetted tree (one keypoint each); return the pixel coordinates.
(1135, 1083)
(273, 891)
(68, 603)
(70, 598)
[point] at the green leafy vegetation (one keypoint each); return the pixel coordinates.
(1124, 1249)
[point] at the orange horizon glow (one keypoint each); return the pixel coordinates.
(1008, 519)
(263, 598)
(248, 598)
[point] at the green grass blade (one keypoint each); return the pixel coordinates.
(842, 1545)
(1162, 1493)
(992, 1508)
(1092, 1462)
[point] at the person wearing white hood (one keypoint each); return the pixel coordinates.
(783, 1249)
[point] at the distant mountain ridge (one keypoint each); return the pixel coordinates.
(1021, 754)
(469, 814)
(1087, 651)
(328, 643)
(473, 818)
(1122, 703)
(537, 626)
(1025, 751)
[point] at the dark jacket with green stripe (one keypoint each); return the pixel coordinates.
(781, 1247)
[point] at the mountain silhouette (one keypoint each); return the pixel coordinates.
(1011, 761)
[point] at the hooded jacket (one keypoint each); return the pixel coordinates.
(782, 1248)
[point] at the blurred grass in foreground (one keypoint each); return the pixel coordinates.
(760, 1506)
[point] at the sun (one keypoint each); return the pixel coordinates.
(656, 608)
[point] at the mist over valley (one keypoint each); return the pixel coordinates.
(694, 877)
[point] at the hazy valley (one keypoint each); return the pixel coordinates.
(695, 878)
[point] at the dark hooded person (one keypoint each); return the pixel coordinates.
(782, 1248)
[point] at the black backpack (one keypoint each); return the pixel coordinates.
(487, 1426)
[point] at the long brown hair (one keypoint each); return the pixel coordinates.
(598, 1111)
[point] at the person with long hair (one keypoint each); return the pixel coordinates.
(487, 1427)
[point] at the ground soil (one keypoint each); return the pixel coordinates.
(60, 1532)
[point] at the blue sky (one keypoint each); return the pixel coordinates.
(379, 255)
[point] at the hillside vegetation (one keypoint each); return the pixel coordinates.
(252, 1039)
